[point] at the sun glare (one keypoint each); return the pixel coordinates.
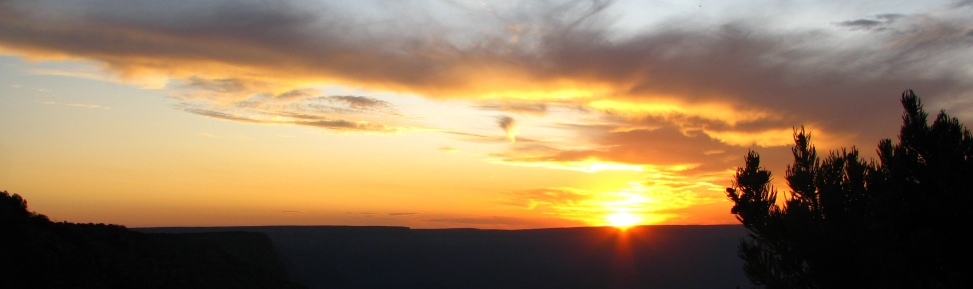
(623, 220)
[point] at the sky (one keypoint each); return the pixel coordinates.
(449, 113)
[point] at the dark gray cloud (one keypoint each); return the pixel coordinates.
(812, 76)
(509, 126)
(890, 17)
(880, 23)
(865, 24)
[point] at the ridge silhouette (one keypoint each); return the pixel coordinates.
(38, 253)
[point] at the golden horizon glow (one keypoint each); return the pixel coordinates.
(623, 220)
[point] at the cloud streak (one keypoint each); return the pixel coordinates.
(501, 222)
(75, 104)
(341, 125)
(880, 23)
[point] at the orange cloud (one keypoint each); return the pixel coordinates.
(633, 150)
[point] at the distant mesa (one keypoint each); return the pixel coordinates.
(676, 257)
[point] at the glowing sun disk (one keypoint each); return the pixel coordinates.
(623, 220)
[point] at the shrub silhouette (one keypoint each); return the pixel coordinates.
(851, 223)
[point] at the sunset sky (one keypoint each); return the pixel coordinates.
(451, 113)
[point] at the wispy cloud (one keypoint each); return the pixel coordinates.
(302, 107)
(503, 222)
(403, 214)
(83, 105)
(880, 22)
(362, 104)
(225, 85)
(93, 75)
(303, 120)
(292, 212)
(515, 106)
(484, 138)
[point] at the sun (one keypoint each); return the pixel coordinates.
(623, 219)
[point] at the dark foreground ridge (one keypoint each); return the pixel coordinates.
(683, 257)
(38, 253)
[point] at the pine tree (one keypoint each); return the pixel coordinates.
(851, 223)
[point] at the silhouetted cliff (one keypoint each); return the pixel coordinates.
(38, 253)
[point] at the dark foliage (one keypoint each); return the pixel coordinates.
(851, 223)
(38, 253)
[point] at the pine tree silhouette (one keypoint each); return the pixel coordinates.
(851, 223)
